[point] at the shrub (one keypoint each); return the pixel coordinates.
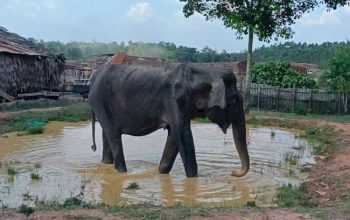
(282, 75)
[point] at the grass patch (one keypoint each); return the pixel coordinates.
(21, 105)
(35, 130)
(202, 120)
(11, 171)
(26, 210)
(35, 176)
(289, 196)
(323, 139)
(149, 212)
(332, 118)
(133, 186)
(33, 122)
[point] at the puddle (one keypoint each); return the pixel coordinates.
(66, 165)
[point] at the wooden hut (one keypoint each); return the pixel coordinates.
(26, 69)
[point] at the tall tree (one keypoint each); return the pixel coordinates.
(266, 19)
(335, 3)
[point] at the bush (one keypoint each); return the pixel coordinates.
(27, 211)
(282, 75)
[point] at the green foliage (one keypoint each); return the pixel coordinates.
(289, 51)
(72, 202)
(26, 210)
(338, 75)
(27, 120)
(35, 176)
(267, 18)
(289, 196)
(133, 186)
(300, 52)
(323, 139)
(280, 74)
(11, 171)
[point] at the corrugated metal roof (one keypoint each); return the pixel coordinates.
(14, 48)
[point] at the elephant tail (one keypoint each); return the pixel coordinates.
(93, 146)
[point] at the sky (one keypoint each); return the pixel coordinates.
(149, 21)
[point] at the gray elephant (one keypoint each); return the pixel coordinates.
(139, 99)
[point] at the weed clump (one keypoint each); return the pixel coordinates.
(26, 210)
(11, 171)
(133, 186)
(289, 196)
(35, 176)
(323, 139)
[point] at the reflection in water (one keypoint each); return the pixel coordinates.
(62, 157)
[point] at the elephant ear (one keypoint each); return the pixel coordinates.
(217, 94)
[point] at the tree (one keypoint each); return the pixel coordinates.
(335, 3)
(338, 75)
(264, 18)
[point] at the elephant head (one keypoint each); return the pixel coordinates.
(215, 95)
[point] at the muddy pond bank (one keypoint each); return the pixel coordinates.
(65, 167)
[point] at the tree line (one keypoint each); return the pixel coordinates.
(290, 52)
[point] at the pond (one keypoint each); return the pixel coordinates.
(59, 164)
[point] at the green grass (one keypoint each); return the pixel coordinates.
(133, 186)
(331, 118)
(21, 105)
(323, 139)
(289, 196)
(33, 122)
(11, 171)
(35, 130)
(35, 176)
(26, 210)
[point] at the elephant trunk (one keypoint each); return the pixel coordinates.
(239, 136)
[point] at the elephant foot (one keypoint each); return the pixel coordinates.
(163, 170)
(121, 168)
(107, 161)
(192, 173)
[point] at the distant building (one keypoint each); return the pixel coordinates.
(75, 72)
(24, 68)
(305, 68)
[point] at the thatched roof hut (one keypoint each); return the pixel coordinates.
(24, 68)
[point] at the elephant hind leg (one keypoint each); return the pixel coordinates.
(107, 155)
(116, 146)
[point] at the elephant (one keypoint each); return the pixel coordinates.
(137, 99)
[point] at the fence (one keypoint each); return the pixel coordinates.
(264, 97)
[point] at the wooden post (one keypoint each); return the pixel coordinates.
(311, 101)
(278, 99)
(294, 98)
(259, 97)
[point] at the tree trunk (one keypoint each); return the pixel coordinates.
(246, 88)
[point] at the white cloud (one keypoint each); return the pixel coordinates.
(326, 18)
(140, 11)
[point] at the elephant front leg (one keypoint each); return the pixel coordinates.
(107, 155)
(180, 140)
(169, 155)
(187, 151)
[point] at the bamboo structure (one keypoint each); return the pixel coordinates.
(25, 70)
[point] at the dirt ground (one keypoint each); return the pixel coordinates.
(329, 182)
(95, 214)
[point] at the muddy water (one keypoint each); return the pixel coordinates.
(67, 167)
